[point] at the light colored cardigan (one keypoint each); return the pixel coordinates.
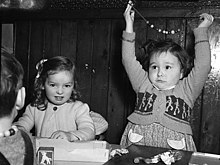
(71, 117)
(170, 108)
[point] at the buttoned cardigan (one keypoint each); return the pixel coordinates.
(71, 117)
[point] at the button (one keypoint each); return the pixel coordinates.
(54, 108)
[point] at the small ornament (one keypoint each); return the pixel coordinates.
(9, 132)
(152, 26)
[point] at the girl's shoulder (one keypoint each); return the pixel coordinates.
(77, 104)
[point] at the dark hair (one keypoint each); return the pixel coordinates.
(152, 47)
(50, 67)
(11, 81)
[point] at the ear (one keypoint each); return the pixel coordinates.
(20, 98)
(181, 74)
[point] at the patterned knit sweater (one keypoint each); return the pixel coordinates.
(170, 108)
(13, 148)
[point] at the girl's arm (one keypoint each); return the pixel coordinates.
(84, 130)
(136, 73)
(202, 63)
(26, 122)
(85, 126)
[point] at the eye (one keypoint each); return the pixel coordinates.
(153, 67)
(68, 85)
(52, 85)
(168, 67)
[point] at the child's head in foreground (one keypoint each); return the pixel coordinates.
(55, 82)
(167, 63)
(11, 84)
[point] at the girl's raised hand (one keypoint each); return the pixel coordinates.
(207, 20)
(129, 17)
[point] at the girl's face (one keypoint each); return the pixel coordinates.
(59, 87)
(164, 70)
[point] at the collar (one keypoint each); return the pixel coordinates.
(163, 89)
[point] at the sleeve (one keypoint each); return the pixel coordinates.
(101, 125)
(85, 126)
(202, 64)
(26, 121)
(137, 75)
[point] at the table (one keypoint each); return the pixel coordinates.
(147, 152)
(134, 151)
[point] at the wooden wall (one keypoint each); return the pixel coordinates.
(93, 40)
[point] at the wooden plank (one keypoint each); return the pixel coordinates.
(68, 39)
(22, 46)
(52, 38)
(100, 66)
(116, 116)
(22, 29)
(210, 133)
(7, 15)
(84, 58)
(36, 43)
(178, 25)
(196, 111)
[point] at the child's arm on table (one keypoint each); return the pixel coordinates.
(85, 127)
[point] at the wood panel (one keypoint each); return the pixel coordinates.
(210, 127)
(68, 39)
(120, 100)
(22, 53)
(95, 45)
(100, 66)
(22, 42)
(52, 38)
(179, 26)
(37, 43)
(84, 58)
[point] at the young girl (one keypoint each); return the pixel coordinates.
(165, 92)
(55, 111)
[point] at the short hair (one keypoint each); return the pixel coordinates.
(152, 47)
(11, 81)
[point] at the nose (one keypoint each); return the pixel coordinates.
(160, 73)
(59, 90)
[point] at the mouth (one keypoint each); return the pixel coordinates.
(160, 81)
(58, 98)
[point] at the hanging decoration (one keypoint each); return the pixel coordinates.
(152, 26)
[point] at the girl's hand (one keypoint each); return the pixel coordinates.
(207, 20)
(61, 135)
(129, 17)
